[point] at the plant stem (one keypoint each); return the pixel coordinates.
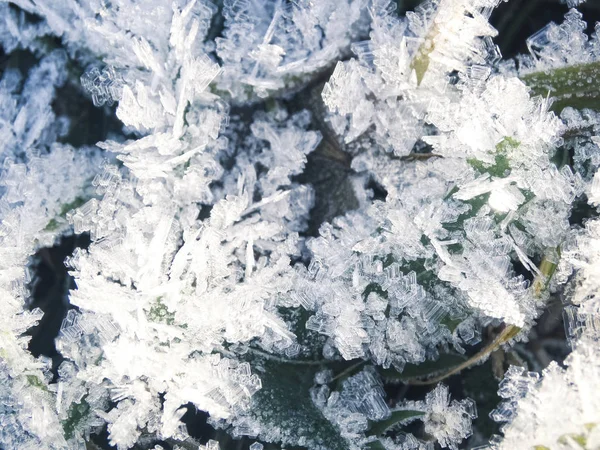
(347, 371)
(573, 86)
(507, 334)
(547, 269)
(298, 362)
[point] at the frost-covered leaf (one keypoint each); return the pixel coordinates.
(285, 412)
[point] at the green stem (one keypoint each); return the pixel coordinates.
(507, 334)
(547, 268)
(347, 371)
(575, 86)
(540, 284)
(298, 362)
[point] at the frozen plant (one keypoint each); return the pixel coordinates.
(300, 212)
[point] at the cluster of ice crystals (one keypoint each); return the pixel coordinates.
(581, 264)
(559, 408)
(265, 45)
(351, 306)
(511, 170)
(573, 3)
(157, 277)
(104, 85)
(560, 45)
(448, 421)
(522, 127)
(557, 411)
(360, 400)
(403, 67)
(16, 31)
(179, 282)
(39, 178)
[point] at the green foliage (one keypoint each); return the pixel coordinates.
(375, 445)
(476, 204)
(311, 343)
(34, 380)
(479, 384)
(451, 322)
(501, 164)
(77, 413)
(374, 287)
(579, 439)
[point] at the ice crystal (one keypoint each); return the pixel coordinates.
(570, 390)
(267, 44)
(361, 399)
(559, 45)
(104, 86)
(449, 422)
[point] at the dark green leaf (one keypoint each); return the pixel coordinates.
(284, 403)
(77, 412)
(450, 322)
(374, 287)
(501, 164)
(54, 224)
(34, 380)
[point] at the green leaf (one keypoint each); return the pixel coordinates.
(575, 86)
(476, 204)
(284, 403)
(55, 223)
(397, 418)
(580, 439)
(159, 313)
(451, 323)
(426, 369)
(311, 343)
(501, 164)
(34, 380)
(479, 384)
(77, 412)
